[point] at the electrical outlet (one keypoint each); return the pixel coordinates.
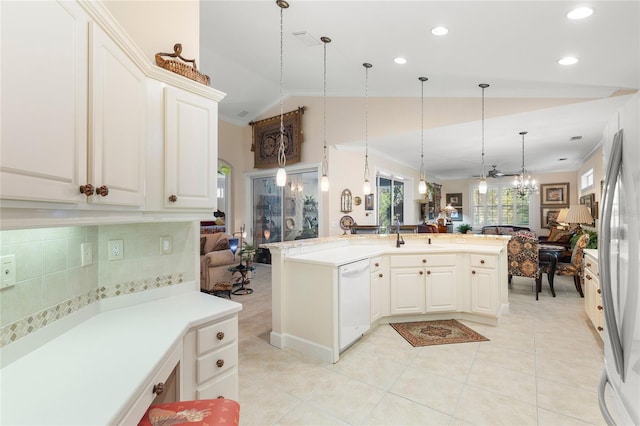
(166, 245)
(116, 250)
(86, 254)
(8, 263)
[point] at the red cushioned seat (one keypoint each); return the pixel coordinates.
(200, 412)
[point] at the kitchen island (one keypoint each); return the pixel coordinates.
(430, 276)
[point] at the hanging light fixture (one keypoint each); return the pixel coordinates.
(281, 175)
(482, 186)
(524, 184)
(422, 186)
(366, 188)
(324, 182)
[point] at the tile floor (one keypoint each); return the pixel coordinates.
(540, 367)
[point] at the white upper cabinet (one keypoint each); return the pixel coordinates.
(44, 101)
(190, 150)
(117, 137)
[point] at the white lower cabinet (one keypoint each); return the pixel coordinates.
(210, 363)
(592, 294)
(379, 268)
(423, 283)
(484, 284)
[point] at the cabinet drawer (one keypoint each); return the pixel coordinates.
(483, 261)
(413, 260)
(376, 263)
(591, 265)
(216, 362)
(143, 402)
(225, 386)
(217, 335)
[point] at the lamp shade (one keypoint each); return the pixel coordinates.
(449, 209)
(562, 215)
(578, 213)
(233, 245)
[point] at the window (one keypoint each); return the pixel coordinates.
(390, 201)
(500, 206)
(586, 180)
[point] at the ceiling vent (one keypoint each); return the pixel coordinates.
(575, 138)
(306, 38)
(242, 114)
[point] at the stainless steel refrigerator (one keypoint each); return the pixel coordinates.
(619, 259)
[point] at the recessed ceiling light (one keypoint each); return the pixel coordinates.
(580, 13)
(569, 60)
(439, 31)
(400, 60)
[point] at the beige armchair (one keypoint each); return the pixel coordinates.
(215, 258)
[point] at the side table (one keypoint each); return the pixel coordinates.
(243, 270)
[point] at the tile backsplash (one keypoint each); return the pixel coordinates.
(51, 281)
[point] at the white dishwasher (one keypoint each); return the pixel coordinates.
(354, 299)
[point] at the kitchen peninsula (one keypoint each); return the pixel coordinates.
(430, 276)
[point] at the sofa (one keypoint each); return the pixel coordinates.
(215, 258)
(502, 229)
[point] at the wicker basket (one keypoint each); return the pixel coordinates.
(181, 68)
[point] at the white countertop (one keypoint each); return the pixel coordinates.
(92, 373)
(342, 255)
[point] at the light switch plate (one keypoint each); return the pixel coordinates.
(166, 244)
(8, 263)
(86, 254)
(115, 250)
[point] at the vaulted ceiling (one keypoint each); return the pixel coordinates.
(514, 46)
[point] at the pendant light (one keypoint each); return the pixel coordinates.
(524, 184)
(422, 186)
(281, 175)
(366, 188)
(324, 182)
(482, 186)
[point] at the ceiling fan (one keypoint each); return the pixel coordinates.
(495, 173)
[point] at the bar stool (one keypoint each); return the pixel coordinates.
(198, 412)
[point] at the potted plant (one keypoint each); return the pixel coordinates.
(464, 228)
(593, 239)
(249, 252)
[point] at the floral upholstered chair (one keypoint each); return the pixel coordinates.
(575, 267)
(522, 251)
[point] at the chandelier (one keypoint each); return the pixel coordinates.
(281, 175)
(524, 184)
(422, 186)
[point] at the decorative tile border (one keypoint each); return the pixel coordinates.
(18, 329)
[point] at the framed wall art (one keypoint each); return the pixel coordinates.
(554, 194)
(266, 139)
(548, 216)
(454, 199)
(368, 202)
(456, 215)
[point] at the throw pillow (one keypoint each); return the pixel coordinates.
(505, 230)
(203, 241)
(222, 244)
(559, 236)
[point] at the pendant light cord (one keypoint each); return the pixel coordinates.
(366, 120)
(325, 163)
(422, 80)
(282, 158)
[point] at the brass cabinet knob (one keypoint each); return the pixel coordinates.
(220, 363)
(588, 265)
(424, 260)
(600, 328)
(473, 272)
(600, 308)
(380, 275)
(428, 272)
(599, 291)
(220, 396)
(103, 191)
(158, 389)
(377, 264)
(482, 261)
(220, 335)
(421, 272)
(588, 277)
(173, 198)
(86, 189)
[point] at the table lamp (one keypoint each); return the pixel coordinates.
(448, 210)
(580, 215)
